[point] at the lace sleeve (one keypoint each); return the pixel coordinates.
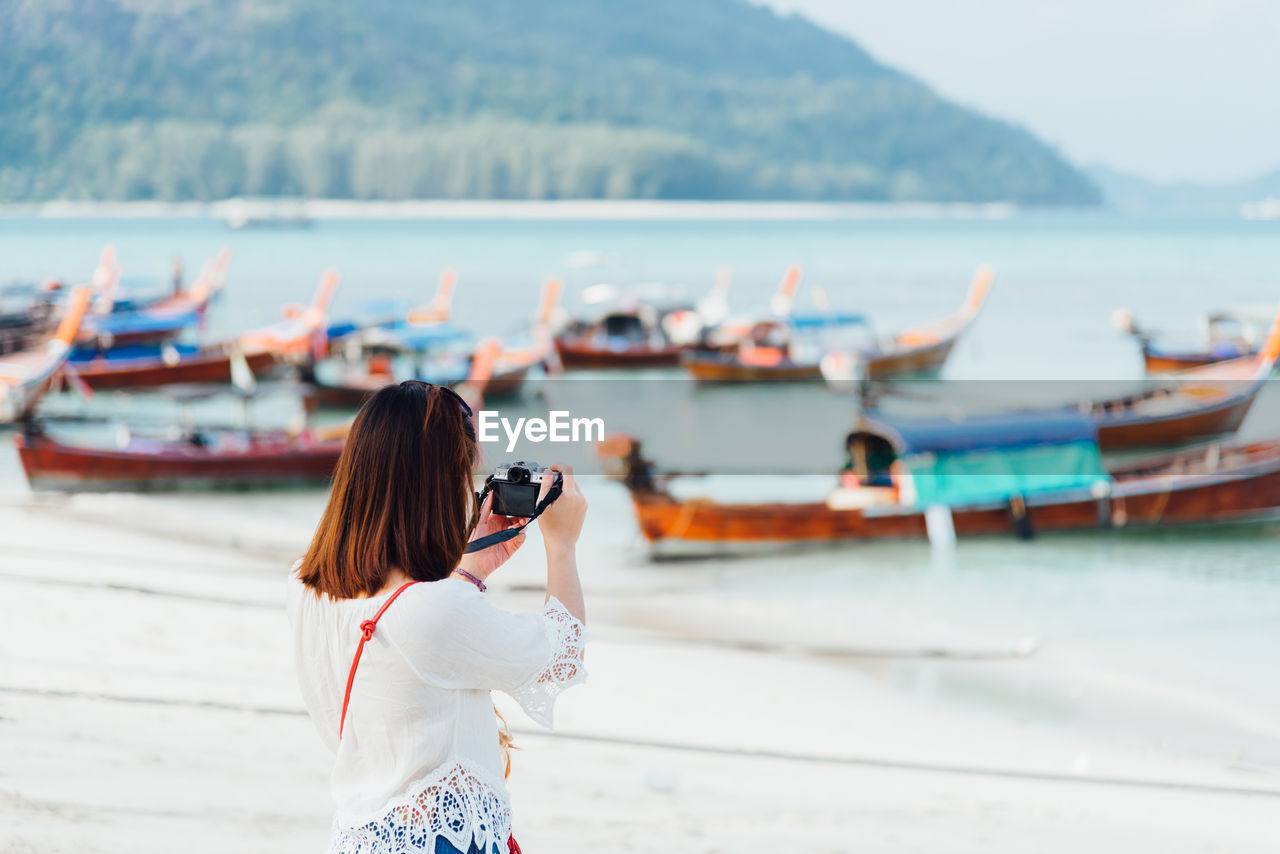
(568, 636)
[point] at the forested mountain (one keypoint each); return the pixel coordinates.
(386, 99)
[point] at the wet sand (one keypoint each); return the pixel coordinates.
(147, 703)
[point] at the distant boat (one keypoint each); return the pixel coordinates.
(1227, 335)
(203, 458)
(199, 457)
(1012, 474)
(627, 333)
(774, 350)
(26, 375)
(1195, 404)
(426, 347)
(153, 322)
(27, 312)
(272, 213)
(260, 350)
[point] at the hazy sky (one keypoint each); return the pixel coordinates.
(1168, 89)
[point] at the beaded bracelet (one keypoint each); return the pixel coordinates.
(469, 577)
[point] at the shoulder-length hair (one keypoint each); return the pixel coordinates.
(401, 497)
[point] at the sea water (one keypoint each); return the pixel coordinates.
(1186, 621)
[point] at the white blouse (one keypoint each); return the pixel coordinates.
(419, 756)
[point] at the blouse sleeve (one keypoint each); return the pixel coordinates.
(469, 643)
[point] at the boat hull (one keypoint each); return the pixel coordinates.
(727, 368)
(719, 367)
(212, 366)
(1245, 492)
(53, 465)
(1159, 363)
(916, 362)
(578, 353)
(320, 395)
(505, 384)
(1175, 428)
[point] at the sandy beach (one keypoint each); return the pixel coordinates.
(147, 703)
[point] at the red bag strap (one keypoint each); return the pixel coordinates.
(366, 632)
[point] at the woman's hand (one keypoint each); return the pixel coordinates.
(561, 522)
(482, 563)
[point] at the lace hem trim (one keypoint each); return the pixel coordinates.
(454, 802)
(565, 669)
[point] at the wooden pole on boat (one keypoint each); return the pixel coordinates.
(785, 297)
(978, 289)
(482, 361)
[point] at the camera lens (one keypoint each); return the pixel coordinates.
(516, 474)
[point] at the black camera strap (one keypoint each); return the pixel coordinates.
(510, 533)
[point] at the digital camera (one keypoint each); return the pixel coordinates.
(515, 488)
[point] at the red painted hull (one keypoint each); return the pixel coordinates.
(585, 353)
(212, 366)
(1165, 491)
(270, 459)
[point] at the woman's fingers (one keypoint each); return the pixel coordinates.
(547, 481)
(568, 483)
(562, 520)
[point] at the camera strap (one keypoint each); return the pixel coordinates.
(510, 533)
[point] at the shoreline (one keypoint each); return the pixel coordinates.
(286, 213)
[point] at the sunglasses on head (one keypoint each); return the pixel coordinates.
(466, 408)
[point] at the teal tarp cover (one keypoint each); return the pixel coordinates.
(995, 474)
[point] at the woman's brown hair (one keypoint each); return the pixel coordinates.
(402, 494)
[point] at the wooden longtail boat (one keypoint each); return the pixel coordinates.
(27, 314)
(203, 458)
(629, 335)
(916, 352)
(154, 322)
(389, 321)
(385, 350)
(149, 365)
(1196, 404)
(1031, 473)
(26, 375)
(1227, 335)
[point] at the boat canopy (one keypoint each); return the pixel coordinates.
(132, 353)
(981, 458)
(145, 320)
(410, 338)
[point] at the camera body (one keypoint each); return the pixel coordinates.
(515, 487)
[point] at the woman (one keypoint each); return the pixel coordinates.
(419, 765)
